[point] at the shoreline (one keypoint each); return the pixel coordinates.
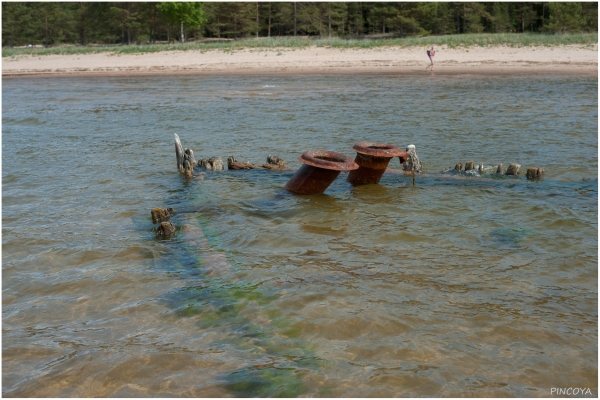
(563, 60)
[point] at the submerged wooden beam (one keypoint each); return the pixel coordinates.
(273, 163)
(211, 164)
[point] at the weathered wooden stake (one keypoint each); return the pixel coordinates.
(188, 154)
(188, 169)
(513, 169)
(165, 229)
(161, 215)
(179, 153)
(534, 173)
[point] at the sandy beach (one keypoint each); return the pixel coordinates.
(475, 60)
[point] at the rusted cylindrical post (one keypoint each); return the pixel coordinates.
(319, 170)
(373, 159)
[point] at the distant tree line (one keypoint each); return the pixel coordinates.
(53, 23)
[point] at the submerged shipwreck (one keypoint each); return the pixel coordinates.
(321, 167)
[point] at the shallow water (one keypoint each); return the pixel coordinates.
(483, 286)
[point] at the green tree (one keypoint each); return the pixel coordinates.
(307, 18)
(188, 13)
(236, 19)
(51, 22)
(354, 18)
(94, 23)
(213, 25)
(110, 22)
(414, 16)
(127, 17)
(335, 17)
(85, 19)
(441, 19)
(283, 17)
(472, 17)
(589, 13)
(382, 13)
(153, 22)
(16, 23)
(564, 17)
(524, 16)
(500, 21)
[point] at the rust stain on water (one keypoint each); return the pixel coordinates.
(452, 287)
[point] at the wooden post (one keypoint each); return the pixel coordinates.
(534, 173)
(179, 153)
(513, 169)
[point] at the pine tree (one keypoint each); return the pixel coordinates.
(50, 23)
(564, 17)
(470, 17)
(407, 18)
(589, 13)
(307, 18)
(125, 15)
(237, 19)
(354, 18)
(283, 14)
(382, 13)
(499, 21)
(16, 23)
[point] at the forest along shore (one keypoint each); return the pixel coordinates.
(567, 59)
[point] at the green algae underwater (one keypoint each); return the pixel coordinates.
(222, 299)
(220, 303)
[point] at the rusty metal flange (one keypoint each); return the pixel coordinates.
(379, 150)
(373, 159)
(328, 160)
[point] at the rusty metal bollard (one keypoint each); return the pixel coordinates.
(372, 159)
(319, 170)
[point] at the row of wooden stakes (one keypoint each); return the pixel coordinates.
(186, 162)
(512, 170)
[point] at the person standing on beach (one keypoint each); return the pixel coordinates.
(431, 54)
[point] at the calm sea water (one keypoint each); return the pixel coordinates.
(483, 286)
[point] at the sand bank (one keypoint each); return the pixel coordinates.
(475, 60)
